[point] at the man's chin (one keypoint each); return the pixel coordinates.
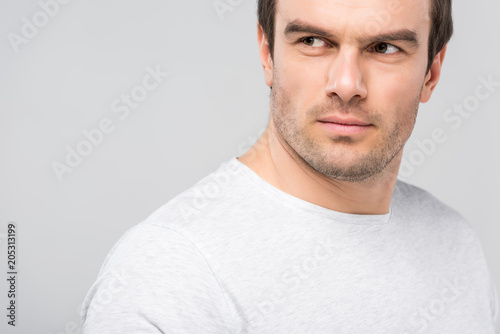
(346, 167)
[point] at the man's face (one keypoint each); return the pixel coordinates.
(345, 97)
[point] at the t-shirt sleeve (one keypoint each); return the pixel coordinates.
(155, 280)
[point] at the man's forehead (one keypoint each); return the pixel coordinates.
(370, 5)
(363, 17)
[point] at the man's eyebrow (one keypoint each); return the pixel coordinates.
(296, 26)
(405, 35)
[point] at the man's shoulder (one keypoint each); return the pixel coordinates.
(418, 202)
(213, 196)
(409, 190)
(412, 195)
(426, 216)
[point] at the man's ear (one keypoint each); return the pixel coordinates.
(432, 77)
(265, 56)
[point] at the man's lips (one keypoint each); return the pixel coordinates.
(343, 121)
(344, 126)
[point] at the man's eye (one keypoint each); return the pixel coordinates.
(385, 48)
(313, 41)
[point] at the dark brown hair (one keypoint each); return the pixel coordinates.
(440, 34)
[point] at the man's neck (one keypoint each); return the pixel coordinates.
(270, 159)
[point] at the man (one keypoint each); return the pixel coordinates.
(310, 231)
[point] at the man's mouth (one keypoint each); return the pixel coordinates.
(349, 121)
(344, 126)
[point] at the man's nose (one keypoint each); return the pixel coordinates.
(344, 77)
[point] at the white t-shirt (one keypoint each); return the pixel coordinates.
(234, 254)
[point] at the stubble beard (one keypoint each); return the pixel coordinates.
(340, 162)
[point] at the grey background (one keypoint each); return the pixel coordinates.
(213, 103)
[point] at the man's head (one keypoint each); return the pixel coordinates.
(347, 77)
